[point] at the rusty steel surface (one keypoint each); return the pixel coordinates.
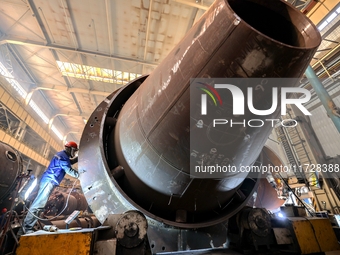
(66, 202)
(81, 201)
(84, 221)
(60, 201)
(144, 127)
(267, 196)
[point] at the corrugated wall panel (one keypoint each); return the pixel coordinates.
(325, 130)
(10, 103)
(15, 107)
(35, 126)
(2, 135)
(6, 138)
(29, 121)
(22, 114)
(2, 91)
(4, 98)
(38, 130)
(23, 149)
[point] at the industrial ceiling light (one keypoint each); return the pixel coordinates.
(96, 73)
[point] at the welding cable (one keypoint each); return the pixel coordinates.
(68, 197)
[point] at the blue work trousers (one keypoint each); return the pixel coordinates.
(45, 189)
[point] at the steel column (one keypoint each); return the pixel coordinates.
(324, 97)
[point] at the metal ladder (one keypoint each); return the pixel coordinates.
(296, 150)
(285, 138)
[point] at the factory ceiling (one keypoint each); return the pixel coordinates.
(68, 56)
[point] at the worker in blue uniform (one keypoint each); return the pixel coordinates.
(60, 165)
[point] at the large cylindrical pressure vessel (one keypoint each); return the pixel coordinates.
(143, 130)
(11, 167)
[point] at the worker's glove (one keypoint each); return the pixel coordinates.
(74, 173)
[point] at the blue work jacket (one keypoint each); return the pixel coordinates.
(59, 166)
